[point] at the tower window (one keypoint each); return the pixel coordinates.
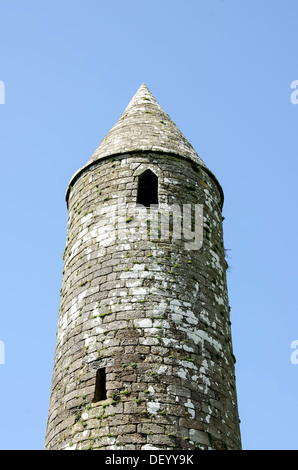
(100, 385)
(147, 189)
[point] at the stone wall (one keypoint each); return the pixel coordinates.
(151, 312)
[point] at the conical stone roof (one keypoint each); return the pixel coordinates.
(144, 125)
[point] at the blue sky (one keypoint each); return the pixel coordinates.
(222, 69)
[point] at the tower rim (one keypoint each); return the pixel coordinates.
(90, 164)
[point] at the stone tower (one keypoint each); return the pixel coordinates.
(144, 354)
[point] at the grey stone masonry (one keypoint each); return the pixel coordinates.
(144, 125)
(149, 308)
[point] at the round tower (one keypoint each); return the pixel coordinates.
(144, 354)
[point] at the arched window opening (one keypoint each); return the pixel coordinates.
(147, 189)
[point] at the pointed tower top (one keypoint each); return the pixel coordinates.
(144, 125)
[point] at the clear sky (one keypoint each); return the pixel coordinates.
(222, 69)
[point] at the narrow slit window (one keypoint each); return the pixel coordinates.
(100, 386)
(147, 189)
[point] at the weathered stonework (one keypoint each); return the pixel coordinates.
(154, 314)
